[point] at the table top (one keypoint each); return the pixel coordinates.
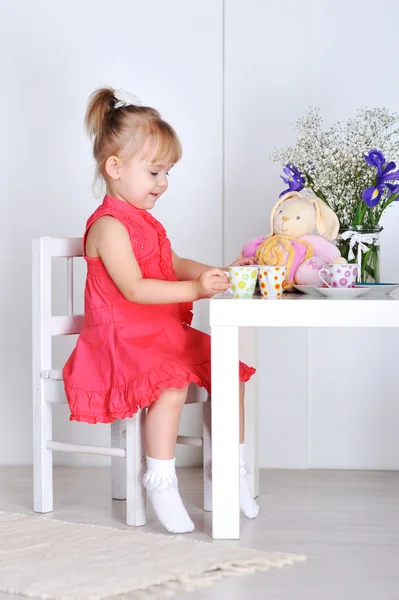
(305, 310)
(298, 296)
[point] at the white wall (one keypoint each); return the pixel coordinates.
(53, 55)
(332, 400)
(279, 59)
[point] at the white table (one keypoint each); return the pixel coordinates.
(227, 315)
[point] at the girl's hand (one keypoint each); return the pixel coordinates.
(244, 262)
(211, 282)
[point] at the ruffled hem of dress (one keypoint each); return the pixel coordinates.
(157, 381)
(246, 372)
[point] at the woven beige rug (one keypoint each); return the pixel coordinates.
(56, 560)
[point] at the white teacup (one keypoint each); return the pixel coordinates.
(271, 280)
(340, 275)
(243, 281)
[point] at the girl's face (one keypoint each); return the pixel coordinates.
(137, 180)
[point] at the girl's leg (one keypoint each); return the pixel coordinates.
(247, 503)
(242, 412)
(162, 425)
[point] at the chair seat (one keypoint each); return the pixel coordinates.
(52, 374)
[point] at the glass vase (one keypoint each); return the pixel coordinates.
(365, 243)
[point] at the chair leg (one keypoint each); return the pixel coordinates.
(42, 456)
(135, 467)
(207, 454)
(118, 465)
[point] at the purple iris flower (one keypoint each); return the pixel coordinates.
(386, 174)
(293, 179)
(375, 158)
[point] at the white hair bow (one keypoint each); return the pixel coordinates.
(126, 98)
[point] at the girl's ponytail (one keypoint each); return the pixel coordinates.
(100, 111)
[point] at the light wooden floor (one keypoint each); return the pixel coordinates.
(347, 523)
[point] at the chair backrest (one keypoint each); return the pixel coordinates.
(44, 324)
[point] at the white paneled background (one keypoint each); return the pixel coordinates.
(231, 77)
(329, 399)
(53, 55)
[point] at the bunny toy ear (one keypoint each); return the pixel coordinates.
(327, 223)
(275, 207)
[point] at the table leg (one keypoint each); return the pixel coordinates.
(225, 433)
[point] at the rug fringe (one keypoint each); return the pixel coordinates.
(188, 583)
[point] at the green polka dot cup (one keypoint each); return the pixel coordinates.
(243, 281)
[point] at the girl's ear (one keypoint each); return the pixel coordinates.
(275, 207)
(327, 223)
(112, 165)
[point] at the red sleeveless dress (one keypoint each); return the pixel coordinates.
(127, 353)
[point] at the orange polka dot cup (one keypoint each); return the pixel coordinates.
(271, 281)
(243, 281)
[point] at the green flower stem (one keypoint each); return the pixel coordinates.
(370, 265)
(371, 214)
(360, 213)
(318, 193)
(389, 201)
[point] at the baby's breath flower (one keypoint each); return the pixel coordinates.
(332, 161)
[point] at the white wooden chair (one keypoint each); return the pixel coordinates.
(127, 449)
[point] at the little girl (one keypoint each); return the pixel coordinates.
(136, 348)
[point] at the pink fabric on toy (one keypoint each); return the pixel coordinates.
(249, 249)
(308, 272)
(300, 251)
(322, 247)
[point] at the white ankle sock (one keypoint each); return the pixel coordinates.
(161, 483)
(247, 503)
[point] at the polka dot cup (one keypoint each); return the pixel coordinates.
(339, 276)
(243, 281)
(271, 281)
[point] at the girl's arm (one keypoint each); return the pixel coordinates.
(187, 269)
(108, 239)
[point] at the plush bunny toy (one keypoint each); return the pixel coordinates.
(292, 242)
